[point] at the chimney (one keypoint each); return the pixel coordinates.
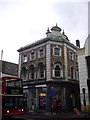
(78, 43)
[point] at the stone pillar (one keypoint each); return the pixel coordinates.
(37, 98)
(65, 62)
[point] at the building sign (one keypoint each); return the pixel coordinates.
(52, 91)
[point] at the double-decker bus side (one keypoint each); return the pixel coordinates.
(12, 96)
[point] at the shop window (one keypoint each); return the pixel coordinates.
(42, 100)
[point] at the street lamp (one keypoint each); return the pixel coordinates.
(1, 62)
(84, 100)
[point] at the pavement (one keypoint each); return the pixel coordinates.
(52, 116)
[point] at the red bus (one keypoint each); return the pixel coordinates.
(12, 96)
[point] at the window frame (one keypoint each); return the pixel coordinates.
(57, 71)
(25, 58)
(72, 77)
(34, 56)
(59, 51)
(41, 53)
(30, 71)
(40, 72)
(71, 55)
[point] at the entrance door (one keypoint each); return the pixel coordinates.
(42, 100)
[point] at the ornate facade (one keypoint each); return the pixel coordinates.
(49, 70)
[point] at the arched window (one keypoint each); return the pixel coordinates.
(57, 71)
(32, 72)
(23, 73)
(41, 69)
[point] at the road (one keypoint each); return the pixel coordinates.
(67, 116)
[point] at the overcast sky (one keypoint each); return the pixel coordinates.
(25, 21)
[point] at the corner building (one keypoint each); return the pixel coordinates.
(49, 70)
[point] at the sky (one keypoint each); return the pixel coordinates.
(23, 22)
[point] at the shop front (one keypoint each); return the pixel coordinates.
(41, 96)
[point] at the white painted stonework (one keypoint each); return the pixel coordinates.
(48, 61)
(87, 46)
(83, 77)
(65, 59)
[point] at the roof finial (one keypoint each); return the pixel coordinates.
(56, 24)
(48, 30)
(63, 32)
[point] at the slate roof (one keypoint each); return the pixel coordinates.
(51, 38)
(8, 68)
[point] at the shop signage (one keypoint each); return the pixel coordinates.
(52, 91)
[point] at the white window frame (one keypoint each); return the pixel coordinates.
(71, 55)
(39, 75)
(61, 71)
(54, 51)
(73, 72)
(25, 58)
(76, 57)
(41, 55)
(31, 59)
(30, 75)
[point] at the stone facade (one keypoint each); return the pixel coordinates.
(84, 75)
(48, 69)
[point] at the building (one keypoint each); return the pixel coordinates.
(49, 70)
(8, 68)
(84, 75)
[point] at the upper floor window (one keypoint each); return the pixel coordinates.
(57, 71)
(72, 72)
(32, 56)
(24, 73)
(41, 53)
(76, 58)
(77, 73)
(41, 71)
(25, 58)
(57, 51)
(32, 72)
(71, 55)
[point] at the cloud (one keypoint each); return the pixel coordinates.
(24, 21)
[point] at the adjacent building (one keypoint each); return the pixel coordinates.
(49, 70)
(8, 68)
(84, 75)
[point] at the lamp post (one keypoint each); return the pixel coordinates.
(1, 86)
(84, 100)
(1, 62)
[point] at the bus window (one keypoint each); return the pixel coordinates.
(7, 102)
